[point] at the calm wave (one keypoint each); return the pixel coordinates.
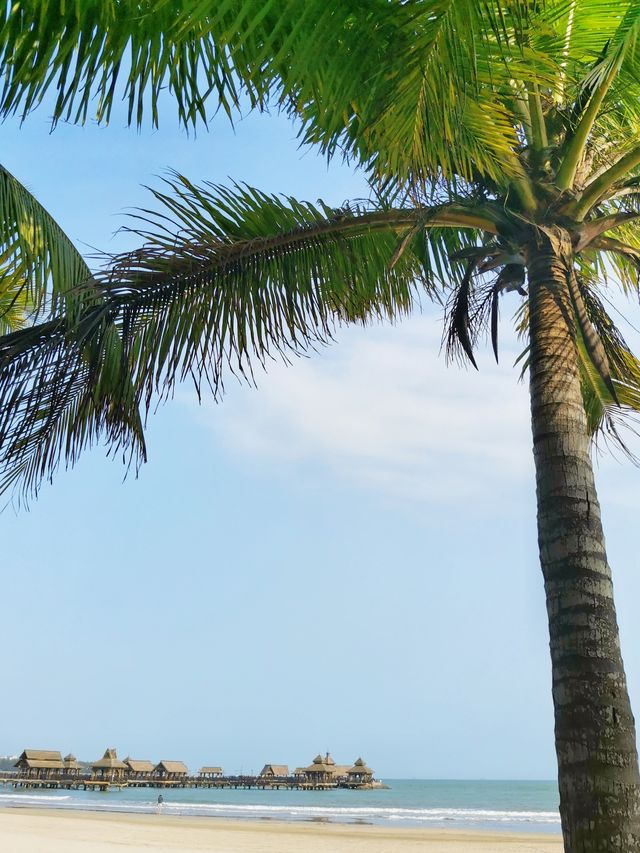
(511, 806)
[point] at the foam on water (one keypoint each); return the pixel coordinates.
(34, 799)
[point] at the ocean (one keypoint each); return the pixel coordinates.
(476, 805)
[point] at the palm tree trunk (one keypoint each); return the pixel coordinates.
(594, 725)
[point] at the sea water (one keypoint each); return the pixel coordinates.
(480, 805)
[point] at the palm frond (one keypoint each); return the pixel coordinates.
(390, 112)
(231, 275)
(96, 51)
(614, 404)
(62, 389)
(35, 251)
(227, 278)
(460, 327)
(622, 42)
(393, 83)
(589, 338)
(493, 270)
(622, 259)
(414, 90)
(15, 307)
(42, 275)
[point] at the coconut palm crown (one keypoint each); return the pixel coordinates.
(502, 142)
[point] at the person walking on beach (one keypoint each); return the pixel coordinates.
(160, 803)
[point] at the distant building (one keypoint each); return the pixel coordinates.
(210, 772)
(109, 768)
(324, 772)
(72, 766)
(320, 771)
(274, 771)
(360, 774)
(40, 764)
(139, 770)
(170, 771)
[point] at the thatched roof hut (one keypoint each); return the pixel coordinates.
(170, 770)
(40, 763)
(360, 772)
(210, 772)
(44, 757)
(109, 761)
(321, 770)
(360, 767)
(322, 764)
(273, 771)
(139, 768)
(109, 767)
(72, 766)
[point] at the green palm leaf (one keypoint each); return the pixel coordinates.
(401, 124)
(227, 278)
(227, 275)
(15, 307)
(91, 51)
(42, 274)
(63, 389)
(608, 408)
(35, 251)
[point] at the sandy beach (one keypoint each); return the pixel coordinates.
(34, 831)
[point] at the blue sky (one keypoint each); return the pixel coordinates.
(343, 559)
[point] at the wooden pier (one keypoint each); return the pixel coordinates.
(76, 783)
(86, 783)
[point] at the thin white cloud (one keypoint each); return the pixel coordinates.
(382, 410)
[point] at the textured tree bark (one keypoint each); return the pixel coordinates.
(594, 725)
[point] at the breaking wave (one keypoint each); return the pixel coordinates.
(338, 814)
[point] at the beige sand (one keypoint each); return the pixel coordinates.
(31, 831)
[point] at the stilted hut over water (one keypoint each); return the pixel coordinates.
(138, 770)
(359, 774)
(170, 772)
(40, 764)
(72, 766)
(320, 772)
(109, 768)
(274, 771)
(210, 772)
(325, 773)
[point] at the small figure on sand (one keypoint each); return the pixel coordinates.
(160, 803)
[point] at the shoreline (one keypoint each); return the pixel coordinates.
(34, 830)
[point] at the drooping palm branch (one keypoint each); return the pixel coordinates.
(226, 278)
(47, 290)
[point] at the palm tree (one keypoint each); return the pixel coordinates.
(502, 141)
